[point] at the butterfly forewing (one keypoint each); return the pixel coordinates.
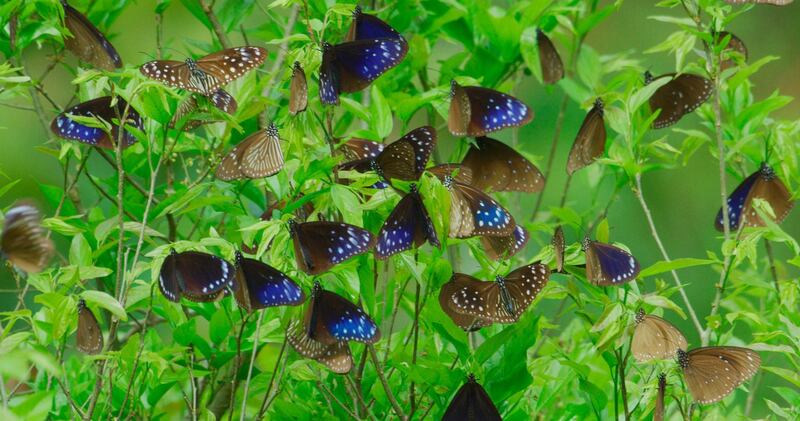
(471, 403)
(712, 373)
(680, 96)
(90, 337)
(258, 285)
(608, 265)
(473, 212)
(407, 226)
(464, 321)
(365, 26)
(100, 108)
(87, 42)
(457, 172)
(343, 320)
(321, 245)
(25, 242)
(655, 338)
(224, 101)
(335, 356)
(258, 156)
(559, 245)
(195, 275)
(763, 184)
(352, 66)
(357, 149)
(476, 111)
(552, 67)
(590, 143)
(298, 90)
(498, 167)
(505, 246)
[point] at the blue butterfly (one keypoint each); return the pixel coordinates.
(258, 285)
(476, 111)
(65, 127)
(320, 245)
(473, 212)
(366, 26)
(194, 275)
(608, 265)
(763, 184)
(407, 226)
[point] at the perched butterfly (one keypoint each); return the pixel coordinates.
(258, 156)
(298, 90)
(220, 99)
(735, 44)
(501, 301)
(590, 143)
(552, 67)
(101, 108)
(608, 265)
(407, 226)
(465, 321)
(207, 74)
(258, 285)
(471, 403)
(713, 372)
(87, 42)
(404, 159)
(473, 212)
(318, 246)
(24, 242)
(680, 96)
(371, 48)
(655, 338)
(330, 322)
(90, 337)
(498, 167)
(458, 172)
(194, 275)
(772, 2)
(558, 248)
(763, 184)
(476, 111)
(506, 246)
(658, 412)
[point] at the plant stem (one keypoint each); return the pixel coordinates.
(772, 270)
(267, 398)
(330, 395)
(395, 406)
(215, 25)
(415, 327)
(551, 156)
(270, 87)
(250, 369)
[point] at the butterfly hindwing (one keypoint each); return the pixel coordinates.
(194, 275)
(551, 64)
(504, 247)
(66, 127)
(496, 166)
(590, 143)
(24, 241)
(258, 156)
(407, 226)
(608, 265)
(473, 212)
(476, 111)
(298, 90)
(89, 337)
(321, 245)
(763, 184)
(655, 338)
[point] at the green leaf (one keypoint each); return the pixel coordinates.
(219, 327)
(381, 115)
(106, 301)
(664, 266)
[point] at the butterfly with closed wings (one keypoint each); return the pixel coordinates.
(559, 245)
(590, 143)
(683, 94)
(658, 412)
(608, 265)
(496, 166)
(655, 338)
(471, 403)
(87, 42)
(258, 285)
(194, 275)
(407, 226)
(90, 337)
(320, 245)
(713, 372)
(24, 241)
(549, 60)
(258, 156)
(298, 90)
(476, 111)
(108, 109)
(763, 184)
(504, 247)
(473, 212)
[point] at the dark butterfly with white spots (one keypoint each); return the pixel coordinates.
(90, 337)
(24, 241)
(501, 301)
(683, 94)
(195, 275)
(590, 143)
(101, 108)
(550, 61)
(404, 159)
(471, 403)
(713, 372)
(318, 246)
(608, 265)
(464, 321)
(298, 90)
(87, 42)
(763, 184)
(658, 412)
(258, 285)
(258, 156)
(504, 247)
(476, 111)
(330, 322)
(458, 172)
(372, 48)
(407, 226)
(473, 212)
(772, 2)
(559, 245)
(496, 166)
(655, 338)
(220, 99)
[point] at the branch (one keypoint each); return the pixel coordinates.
(269, 86)
(215, 25)
(386, 388)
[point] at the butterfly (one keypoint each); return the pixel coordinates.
(772, 2)
(465, 321)
(735, 44)
(658, 412)
(498, 167)
(403, 159)
(258, 285)
(111, 110)
(194, 275)
(558, 248)
(655, 338)
(87, 42)
(608, 265)
(24, 241)
(471, 403)
(458, 172)
(506, 246)
(552, 67)
(713, 372)
(680, 96)
(258, 156)
(371, 48)
(318, 246)
(90, 337)
(331, 321)
(590, 142)
(763, 184)
(501, 301)
(473, 212)
(407, 226)
(298, 90)
(476, 111)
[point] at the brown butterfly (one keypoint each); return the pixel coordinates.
(590, 143)
(735, 44)
(713, 372)
(467, 322)
(772, 2)
(503, 247)
(763, 184)
(24, 242)
(558, 248)
(90, 337)
(471, 403)
(683, 94)
(258, 156)
(655, 338)
(552, 66)
(658, 412)
(298, 90)
(498, 167)
(87, 42)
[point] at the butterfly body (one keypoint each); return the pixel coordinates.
(24, 241)
(258, 285)
(89, 337)
(713, 372)
(407, 226)
(608, 265)
(763, 184)
(106, 109)
(590, 143)
(471, 403)
(683, 94)
(258, 156)
(321, 245)
(194, 275)
(498, 167)
(476, 111)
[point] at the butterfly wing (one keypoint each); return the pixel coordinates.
(335, 356)
(680, 96)
(186, 108)
(422, 140)
(258, 156)
(464, 321)
(259, 285)
(398, 161)
(171, 73)
(735, 44)
(736, 202)
(458, 118)
(473, 212)
(590, 143)
(329, 84)
(65, 127)
(658, 412)
(321, 245)
(506, 246)
(224, 101)
(230, 64)
(608, 265)
(358, 63)
(407, 226)
(298, 90)
(769, 187)
(552, 67)
(345, 321)
(656, 339)
(24, 242)
(498, 167)
(457, 172)
(87, 42)
(90, 337)
(522, 285)
(197, 276)
(491, 111)
(362, 149)
(471, 403)
(473, 297)
(712, 373)
(366, 26)
(558, 248)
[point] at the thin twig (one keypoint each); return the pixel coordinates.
(772, 270)
(215, 25)
(551, 156)
(250, 369)
(266, 401)
(386, 388)
(330, 394)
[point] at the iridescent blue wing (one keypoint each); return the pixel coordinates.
(358, 63)
(65, 127)
(608, 265)
(258, 285)
(407, 226)
(195, 275)
(736, 203)
(344, 320)
(321, 245)
(476, 111)
(473, 212)
(423, 140)
(366, 26)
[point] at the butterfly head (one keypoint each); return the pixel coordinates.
(471, 378)
(639, 315)
(317, 289)
(648, 77)
(357, 12)
(239, 258)
(539, 32)
(272, 130)
(292, 226)
(767, 172)
(448, 181)
(662, 379)
(453, 86)
(326, 46)
(683, 358)
(373, 165)
(500, 280)
(81, 304)
(598, 103)
(172, 251)
(413, 188)
(297, 67)
(587, 242)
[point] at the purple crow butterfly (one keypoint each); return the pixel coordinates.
(101, 108)
(87, 42)
(608, 265)
(471, 403)
(496, 166)
(24, 241)
(590, 143)
(258, 285)
(318, 246)
(195, 275)
(258, 156)
(655, 338)
(473, 212)
(498, 248)
(713, 372)
(550, 61)
(763, 184)
(298, 90)
(680, 96)
(476, 111)
(90, 337)
(465, 321)
(407, 226)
